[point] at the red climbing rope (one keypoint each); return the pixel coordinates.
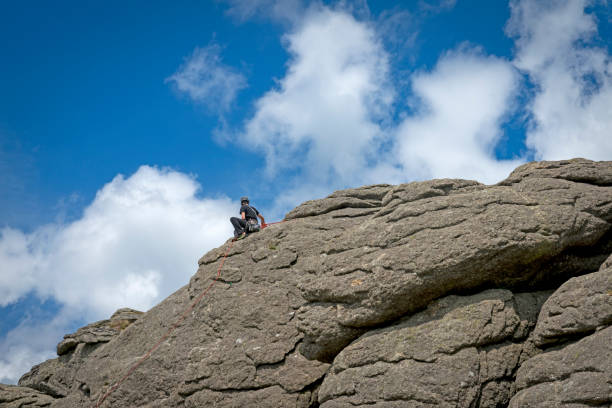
(174, 326)
(271, 223)
(168, 333)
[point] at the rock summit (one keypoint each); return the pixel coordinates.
(443, 293)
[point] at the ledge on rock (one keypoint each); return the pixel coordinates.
(99, 332)
(580, 306)
(578, 375)
(56, 377)
(607, 263)
(428, 239)
(456, 353)
(20, 397)
(578, 170)
(364, 197)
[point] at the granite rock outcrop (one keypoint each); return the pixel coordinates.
(56, 377)
(443, 293)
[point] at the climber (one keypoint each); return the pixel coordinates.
(248, 221)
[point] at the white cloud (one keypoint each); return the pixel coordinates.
(460, 107)
(29, 344)
(18, 265)
(137, 242)
(324, 118)
(329, 121)
(205, 79)
(19, 356)
(572, 108)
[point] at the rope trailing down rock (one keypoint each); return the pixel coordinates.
(182, 317)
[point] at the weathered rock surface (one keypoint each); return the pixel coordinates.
(99, 332)
(580, 306)
(56, 377)
(417, 295)
(577, 170)
(429, 238)
(459, 352)
(607, 263)
(20, 397)
(579, 375)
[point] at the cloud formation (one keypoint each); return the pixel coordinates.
(330, 120)
(571, 114)
(139, 238)
(136, 243)
(206, 80)
(28, 344)
(325, 118)
(459, 109)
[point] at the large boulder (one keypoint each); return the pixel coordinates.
(580, 306)
(422, 294)
(578, 373)
(98, 332)
(459, 352)
(238, 344)
(56, 377)
(419, 241)
(576, 376)
(21, 397)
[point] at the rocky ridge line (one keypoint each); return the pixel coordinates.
(441, 293)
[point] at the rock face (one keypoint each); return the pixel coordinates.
(18, 397)
(444, 293)
(579, 373)
(56, 377)
(99, 332)
(423, 240)
(580, 306)
(462, 351)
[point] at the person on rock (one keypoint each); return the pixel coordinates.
(247, 222)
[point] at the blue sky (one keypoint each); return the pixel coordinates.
(128, 130)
